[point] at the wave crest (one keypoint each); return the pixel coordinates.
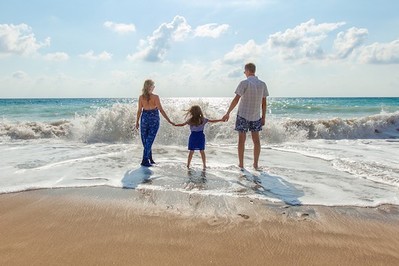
(380, 126)
(117, 124)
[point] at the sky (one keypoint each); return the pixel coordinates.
(191, 48)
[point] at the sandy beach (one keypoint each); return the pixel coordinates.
(107, 226)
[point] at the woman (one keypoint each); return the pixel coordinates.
(149, 107)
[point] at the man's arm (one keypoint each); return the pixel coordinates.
(233, 104)
(264, 106)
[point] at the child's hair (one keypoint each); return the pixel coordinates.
(146, 89)
(196, 116)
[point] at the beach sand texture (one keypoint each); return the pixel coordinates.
(109, 226)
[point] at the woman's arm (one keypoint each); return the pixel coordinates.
(139, 110)
(159, 106)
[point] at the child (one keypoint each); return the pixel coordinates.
(196, 141)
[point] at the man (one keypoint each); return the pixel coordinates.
(251, 115)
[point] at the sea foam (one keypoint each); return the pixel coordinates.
(117, 124)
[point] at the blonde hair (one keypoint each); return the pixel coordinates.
(196, 115)
(146, 89)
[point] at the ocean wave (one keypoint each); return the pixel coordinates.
(35, 130)
(382, 126)
(117, 124)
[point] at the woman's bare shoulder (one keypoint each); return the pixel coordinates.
(155, 97)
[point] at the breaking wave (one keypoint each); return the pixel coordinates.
(117, 124)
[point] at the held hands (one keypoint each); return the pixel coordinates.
(226, 117)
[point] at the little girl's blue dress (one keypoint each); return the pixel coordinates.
(197, 137)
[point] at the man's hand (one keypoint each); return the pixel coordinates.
(226, 117)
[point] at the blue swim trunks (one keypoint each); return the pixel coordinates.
(243, 125)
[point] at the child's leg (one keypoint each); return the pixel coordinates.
(203, 158)
(190, 156)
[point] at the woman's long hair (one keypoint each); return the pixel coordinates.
(196, 116)
(147, 88)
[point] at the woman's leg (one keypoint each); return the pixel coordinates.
(149, 128)
(150, 138)
(144, 130)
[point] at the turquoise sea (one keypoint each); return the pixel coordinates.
(66, 108)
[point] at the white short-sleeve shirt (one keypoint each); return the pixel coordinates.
(251, 90)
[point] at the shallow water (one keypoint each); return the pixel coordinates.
(327, 160)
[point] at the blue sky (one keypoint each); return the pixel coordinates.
(198, 48)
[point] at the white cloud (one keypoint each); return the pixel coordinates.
(380, 53)
(303, 41)
(120, 28)
(19, 39)
(59, 56)
(104, 56)
(235, 73)
(211, 30)
(347, 41)
(179, 28)
(20, 75)
(155, 47)
(242, 53)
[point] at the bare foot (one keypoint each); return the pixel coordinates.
(257, 168)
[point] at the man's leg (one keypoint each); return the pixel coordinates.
(241, 148)
(256, 141)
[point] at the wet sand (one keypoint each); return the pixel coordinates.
(107, 226)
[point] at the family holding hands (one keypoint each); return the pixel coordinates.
(251, 95)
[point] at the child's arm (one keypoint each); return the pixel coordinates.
(180, 125)
(215, 120)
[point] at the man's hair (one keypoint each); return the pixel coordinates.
(250, 67)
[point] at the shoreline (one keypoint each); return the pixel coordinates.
(104, 225)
